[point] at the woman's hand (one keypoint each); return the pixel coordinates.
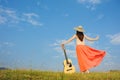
(62, 45)
(97, 37)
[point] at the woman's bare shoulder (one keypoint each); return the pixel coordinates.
(75, 36)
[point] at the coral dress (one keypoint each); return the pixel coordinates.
(88, 57)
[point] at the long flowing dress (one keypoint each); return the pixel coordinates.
(88, 57)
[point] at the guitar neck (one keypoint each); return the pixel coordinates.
(66, 56)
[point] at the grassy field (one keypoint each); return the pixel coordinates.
(44, 75)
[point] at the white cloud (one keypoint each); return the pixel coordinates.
(12, 17)
(59, 42)
(8, 16)
(70, 48)
(90, 1)
(2, 20)
(115, 39)
(30, 15)
(100, 16)
(30, 18)
(42, 5)
(109, 58)
(90, 4)
(71, 52)
(3, 1)
(6, 44)
(94, 1)
(66, 15)
(5, 48)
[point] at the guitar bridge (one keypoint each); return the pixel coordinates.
(69, 69)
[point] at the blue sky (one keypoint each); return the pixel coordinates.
(31, 32)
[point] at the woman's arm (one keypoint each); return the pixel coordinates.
(91, 39)
(69, 40)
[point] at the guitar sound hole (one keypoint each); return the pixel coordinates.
(70, 65)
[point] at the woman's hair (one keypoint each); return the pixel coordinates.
(80, 35)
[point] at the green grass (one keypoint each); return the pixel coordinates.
(47, 75)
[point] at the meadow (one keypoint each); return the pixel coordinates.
(49, 75)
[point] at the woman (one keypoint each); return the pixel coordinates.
(87, 56)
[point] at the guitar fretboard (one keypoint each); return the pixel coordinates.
(65, 56)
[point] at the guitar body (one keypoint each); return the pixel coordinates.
(68, 67)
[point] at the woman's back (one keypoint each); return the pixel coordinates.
(79, 42)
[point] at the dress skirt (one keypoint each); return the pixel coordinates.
(88, 57)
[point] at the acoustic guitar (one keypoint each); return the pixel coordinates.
(68, 67)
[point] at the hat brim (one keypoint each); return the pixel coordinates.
(80, 30)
